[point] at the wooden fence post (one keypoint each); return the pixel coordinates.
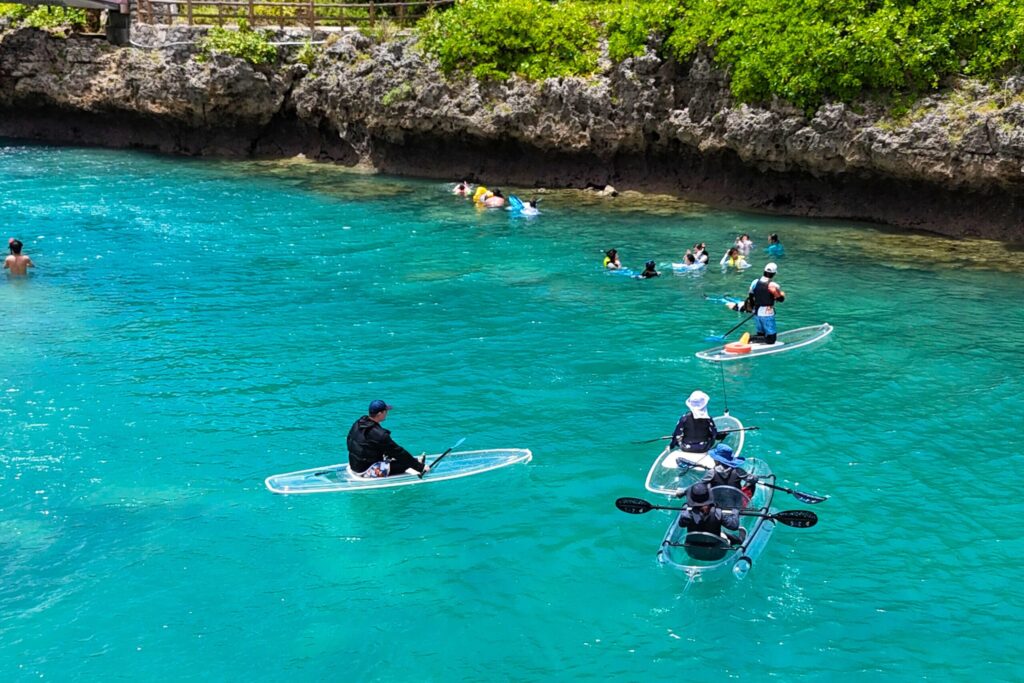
(372, 13)
(312, 18)
(252, 15)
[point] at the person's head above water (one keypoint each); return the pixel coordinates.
(770, 270)
(690, 258)
(649, 265)
(773, 238)
(14, 245)
(733, 251)
(497, 192)
(611, 253)
(377, 407)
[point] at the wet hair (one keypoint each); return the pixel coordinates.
(649, 265)
(15, 246)
(773, 237)
(732, 251)
(497, 193)
(611, 253)
(690, 258)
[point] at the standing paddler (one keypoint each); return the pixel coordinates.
(372, 453)
(765, 293)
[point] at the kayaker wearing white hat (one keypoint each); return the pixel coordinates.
(701, 514)
(696, 431)
(728, 471)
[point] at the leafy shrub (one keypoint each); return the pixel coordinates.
(807, 51)
(494, 39)
(629, 25)
(307, 54)
(45, 16)
(397, 94)
(250, 45)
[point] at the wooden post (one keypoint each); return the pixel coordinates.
(312, 18)
(372, 13)
(188, 7)
(252, 15)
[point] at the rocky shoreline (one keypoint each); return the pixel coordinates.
(953, 164)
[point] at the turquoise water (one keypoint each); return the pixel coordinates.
(193, 327)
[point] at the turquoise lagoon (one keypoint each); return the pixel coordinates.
(194, 326)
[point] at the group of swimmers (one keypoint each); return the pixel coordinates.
(697, 257)
(494, 199)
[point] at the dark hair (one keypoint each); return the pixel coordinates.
(649, 264)
(611, 252)
(773, 237)
(15, 246)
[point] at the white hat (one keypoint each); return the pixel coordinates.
(771, 268)
(698, 404)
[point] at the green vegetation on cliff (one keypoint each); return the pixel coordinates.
(804, 51)
(45, 16)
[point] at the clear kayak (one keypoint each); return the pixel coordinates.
(667, 477)
(339, 477)
(703, 556)
(788, 340)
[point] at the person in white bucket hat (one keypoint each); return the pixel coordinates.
(696, 431)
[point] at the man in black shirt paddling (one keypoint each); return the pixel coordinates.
(371, 450)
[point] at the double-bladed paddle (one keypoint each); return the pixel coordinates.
(802, 496)
(438, 459)
(724, 431)
(799, 519)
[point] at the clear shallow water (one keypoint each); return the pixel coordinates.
(193, 327)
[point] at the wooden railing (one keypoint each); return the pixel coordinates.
(309, 13)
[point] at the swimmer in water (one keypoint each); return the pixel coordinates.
(17, 263)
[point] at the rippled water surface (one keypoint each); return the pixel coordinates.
(193, 327)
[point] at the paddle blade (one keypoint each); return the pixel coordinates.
(809, 498)
(714, 340)
(634, 506)
(801, 519)
(457, 444)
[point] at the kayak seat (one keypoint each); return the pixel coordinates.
(704, 546)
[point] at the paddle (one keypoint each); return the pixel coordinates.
(802, 496)
(457, 444)
(724, 431)
(721, 338)
(800, 519)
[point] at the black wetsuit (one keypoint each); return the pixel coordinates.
(369, 443)
(694, 435)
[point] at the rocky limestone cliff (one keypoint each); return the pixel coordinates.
(953, 164)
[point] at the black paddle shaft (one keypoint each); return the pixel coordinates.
(799, 519)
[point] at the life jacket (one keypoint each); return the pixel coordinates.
(710, 523)
(762, 295)
(697, 431)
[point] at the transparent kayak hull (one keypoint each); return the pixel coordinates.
(787, 340)
(735, 560)
(668, 478)
(335, 478)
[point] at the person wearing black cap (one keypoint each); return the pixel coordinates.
(650, 270)
(371, 450)
(701, 514)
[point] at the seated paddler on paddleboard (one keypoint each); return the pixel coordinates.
(372, 453)
(696, 431)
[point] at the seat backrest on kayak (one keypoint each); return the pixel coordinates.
(704, 546)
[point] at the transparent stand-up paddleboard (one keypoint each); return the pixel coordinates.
(787, 340)
(334, 478)
(668, 477)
